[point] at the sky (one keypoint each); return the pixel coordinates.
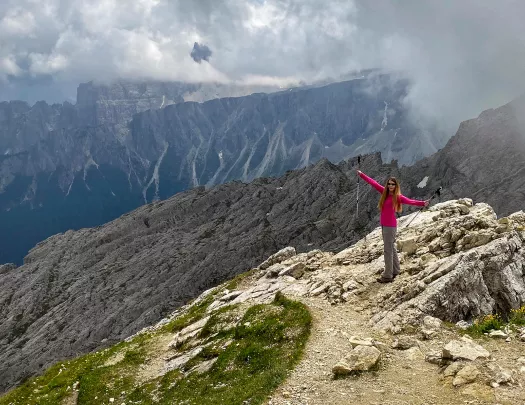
(461, 56)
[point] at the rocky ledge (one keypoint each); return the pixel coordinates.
(458, 260)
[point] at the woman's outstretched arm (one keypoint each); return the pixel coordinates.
(371, 181)
(409, 201)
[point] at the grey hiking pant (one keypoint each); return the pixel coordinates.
(391, 260)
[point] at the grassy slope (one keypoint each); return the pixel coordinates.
(253, 356)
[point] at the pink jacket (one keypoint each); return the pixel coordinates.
(388, 214)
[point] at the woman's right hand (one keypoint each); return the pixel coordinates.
(359, 172)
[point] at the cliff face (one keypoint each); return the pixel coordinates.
(265, 135)
(87, 164)
(484, 160)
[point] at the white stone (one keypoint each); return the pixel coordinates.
(498, 334)
(464, 350)
(362, 358)
(355, 341)
(466, 375)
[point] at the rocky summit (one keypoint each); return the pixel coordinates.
(370, 343)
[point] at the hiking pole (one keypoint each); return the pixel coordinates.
(436, 193)
(358, 168)
(357, 198)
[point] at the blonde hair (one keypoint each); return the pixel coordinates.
(395, 197)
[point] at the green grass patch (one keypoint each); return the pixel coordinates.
(266, 345)
(517, 316)
(89, 371)
(236, 281)
(194, 314)
(252, 357)
(484, 325)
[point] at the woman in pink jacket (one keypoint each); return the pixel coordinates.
(390, 203)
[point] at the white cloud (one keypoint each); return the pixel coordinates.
(8, 67)
(462, 56)
(17, 22)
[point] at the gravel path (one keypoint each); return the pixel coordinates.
(400, 380)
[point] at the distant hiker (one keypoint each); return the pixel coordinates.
(390, 203)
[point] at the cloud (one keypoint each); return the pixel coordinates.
(200, 53)
(461, 56)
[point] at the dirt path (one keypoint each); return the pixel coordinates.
(399, 381)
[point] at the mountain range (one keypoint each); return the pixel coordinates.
(83, 290)
(74, 166)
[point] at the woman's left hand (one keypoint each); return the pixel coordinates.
(427, 202)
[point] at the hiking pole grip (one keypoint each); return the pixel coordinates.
(436, 193)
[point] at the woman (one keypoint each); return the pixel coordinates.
(390, 203)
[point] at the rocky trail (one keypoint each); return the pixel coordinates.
(404, 342)
(349, 309)
(403, 377)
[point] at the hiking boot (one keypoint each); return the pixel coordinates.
(384, 280)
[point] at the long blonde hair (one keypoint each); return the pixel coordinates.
(395, 197)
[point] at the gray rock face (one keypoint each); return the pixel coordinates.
(79, 288)
(483, 161)
(22, 126)
(479, 271)
(117, 148)
(118, 102)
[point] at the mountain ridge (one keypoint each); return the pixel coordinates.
(163, 151)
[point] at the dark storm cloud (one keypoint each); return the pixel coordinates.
(200, 53)
(461, 56)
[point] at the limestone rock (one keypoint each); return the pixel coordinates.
(355, 341)
(203, 366)
(341, 368)
(414, 354)
(180, 361)
(295, 270)
(361, 358)
(430, 327)
(466, 375)
(408, 245)
(278, 257)
(188, 332)
(464, 349)
(453, 369)
(230, 296)
(434, 357)
(274, 270)
(499, 334)
(462, 325)
(503, 377)
(404, 343)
